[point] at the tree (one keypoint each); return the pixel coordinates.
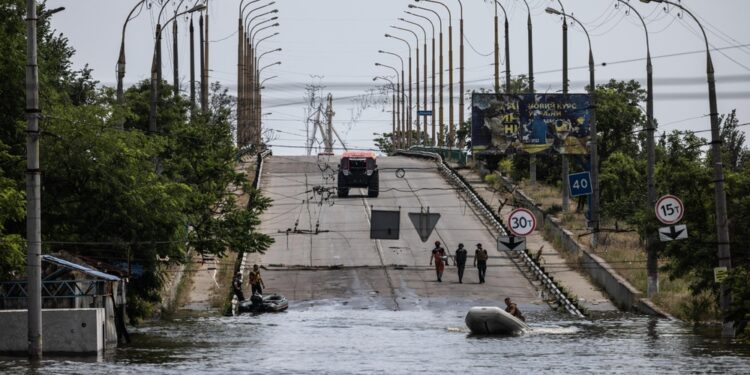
(384, 142)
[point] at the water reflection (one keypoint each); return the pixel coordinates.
(333, 338)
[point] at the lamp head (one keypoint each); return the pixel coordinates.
(377, 64)
(198, 8)
(648, 1)
(381, 51)
(388, 36)
(276, 24)
(402, 19)
(412, 6)
(553, 11)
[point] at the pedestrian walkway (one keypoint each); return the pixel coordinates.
(554, 263)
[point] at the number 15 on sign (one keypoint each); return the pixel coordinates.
(521, 222)
(669, 209)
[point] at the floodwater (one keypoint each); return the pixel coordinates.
(337, 338)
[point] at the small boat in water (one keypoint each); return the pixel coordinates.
(269, 303)
(492, 320)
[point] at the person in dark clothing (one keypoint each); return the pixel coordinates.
(237, 286)
(480, 261)
(512, 309)
(461, 255)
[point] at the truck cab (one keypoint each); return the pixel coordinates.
(358, 169)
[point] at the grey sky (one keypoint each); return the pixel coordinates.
(339, 40)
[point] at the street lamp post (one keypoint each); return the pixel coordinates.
(155, 67)
(441, 116)
(121, 58)
(425, 136)
(408, 111)
(402, 127)
(176, 55)
(255, 107)
(432, 141)
(396, 139)
(565, 166)
(722, 225)
(532, 157)
(594, 137)
(259, 104)
(419, 129)
(241, 119)
(451, 124)
(393, 112)
(497, 52)
(652, 262)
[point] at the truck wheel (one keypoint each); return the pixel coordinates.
(343, 192)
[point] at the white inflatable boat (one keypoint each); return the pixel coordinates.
(493, 321)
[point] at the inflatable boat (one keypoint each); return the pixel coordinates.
(269, 303)
(493, 321)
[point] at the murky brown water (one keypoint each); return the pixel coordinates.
(333, 338)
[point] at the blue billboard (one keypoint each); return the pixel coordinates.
(531, 123)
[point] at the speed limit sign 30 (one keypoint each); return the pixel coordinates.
(669, 209)
(521, 222)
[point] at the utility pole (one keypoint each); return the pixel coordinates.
(192, 67)
(461, 108)
(240, 71)
(204, 80)
(565, 167)
(202, 35)
(329, 125)
(176, 64)
(33, 188)
(532, 157)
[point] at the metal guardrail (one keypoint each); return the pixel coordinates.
(54, 289)
(487, 212)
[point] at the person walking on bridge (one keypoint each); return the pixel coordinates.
(438, 253)
(256, 281)
(460, 259)
(480, 261)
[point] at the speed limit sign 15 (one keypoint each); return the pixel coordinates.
(669, 209)
(521, 222)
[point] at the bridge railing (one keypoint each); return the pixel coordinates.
(486, 211)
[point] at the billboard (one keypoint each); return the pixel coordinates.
(531, 123)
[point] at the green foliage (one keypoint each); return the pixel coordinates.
(118, 195)
(505, 166)
(384, 143)
(618, 117)
(621, 182)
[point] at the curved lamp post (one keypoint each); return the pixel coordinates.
(426, 136)
(407, 111)
(398, 141)
(594, 137)
(432, 25)
(403, 111)
(652, 262)
(722, 226)
(451, 124)
(121, 58)
(416, 38)
(393, 111)
(152, 126)
(441, 116)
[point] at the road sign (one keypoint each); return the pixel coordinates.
(424, 113)
(669, 209)
(385, 225)
(424, 223)
(580, 184)
(521, 222)
(720, 274)
(673, 233)
(511, 244)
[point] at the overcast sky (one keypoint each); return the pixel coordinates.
(335, 43)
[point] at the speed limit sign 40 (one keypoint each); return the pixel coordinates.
(669, 209)
(521, 222)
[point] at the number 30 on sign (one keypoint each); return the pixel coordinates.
(521, 222)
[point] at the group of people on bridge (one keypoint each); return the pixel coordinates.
(440, 258)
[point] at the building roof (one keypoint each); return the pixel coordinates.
(80, 268)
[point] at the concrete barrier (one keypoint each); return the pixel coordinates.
(619, 290)
(65, 331)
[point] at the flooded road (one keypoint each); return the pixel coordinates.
(333, 338)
